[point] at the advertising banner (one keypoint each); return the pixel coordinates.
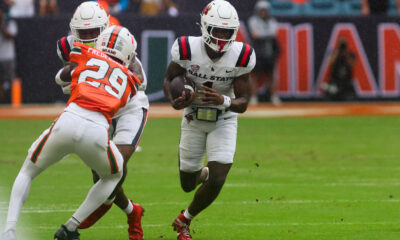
(306, 44)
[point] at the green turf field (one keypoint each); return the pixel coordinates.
(293, 178)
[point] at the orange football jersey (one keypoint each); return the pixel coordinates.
(98, 82)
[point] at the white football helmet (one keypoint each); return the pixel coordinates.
(117, 42)
(219, 14)
(88, 15)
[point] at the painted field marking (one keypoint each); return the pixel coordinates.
(262, 110)
(264, 224)
(56, 209)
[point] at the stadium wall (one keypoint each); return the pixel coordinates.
(306, 43)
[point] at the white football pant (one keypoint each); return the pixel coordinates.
(70, 134)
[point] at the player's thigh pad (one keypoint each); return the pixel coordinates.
(129, 127)
(98, 152)
(221, 142)
(54, 143)
(191, 147)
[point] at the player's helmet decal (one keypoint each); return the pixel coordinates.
(206, 9)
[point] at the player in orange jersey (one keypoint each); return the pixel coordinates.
(86, 24)
(100, 85)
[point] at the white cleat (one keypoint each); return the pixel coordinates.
(9, 235)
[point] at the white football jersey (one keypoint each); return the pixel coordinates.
(139, 101)
(190, 54)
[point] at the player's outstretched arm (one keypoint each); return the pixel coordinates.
(174, 70)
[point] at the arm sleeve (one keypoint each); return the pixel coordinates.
(64, 48)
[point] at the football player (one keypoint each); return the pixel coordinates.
(88, 21)
(219, 67)
(100, 85)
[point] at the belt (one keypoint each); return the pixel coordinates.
(220, 111)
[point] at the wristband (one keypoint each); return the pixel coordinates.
(227, 101)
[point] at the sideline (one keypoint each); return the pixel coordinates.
(261, 110)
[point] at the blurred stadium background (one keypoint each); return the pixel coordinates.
(307, 34)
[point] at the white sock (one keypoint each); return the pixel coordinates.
(97, 195)
(128, 210)
(188, 215)
(109, 201)
(72, 224)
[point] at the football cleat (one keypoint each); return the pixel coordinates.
(135, 229)
(64, 234)
(95, 216)
(181, 226)
(8, 235)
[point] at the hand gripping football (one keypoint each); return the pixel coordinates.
(179, 84)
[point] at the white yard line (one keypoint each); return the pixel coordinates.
(341, 184)
(29, 210)
(264, 224)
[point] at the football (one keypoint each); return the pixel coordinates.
(181, 83)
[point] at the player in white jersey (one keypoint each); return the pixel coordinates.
(220, 69)
(128, 124)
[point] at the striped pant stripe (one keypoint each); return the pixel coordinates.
(38, 150)
(111, 159)
(136, 140)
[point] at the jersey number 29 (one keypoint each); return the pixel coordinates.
(117, 79)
